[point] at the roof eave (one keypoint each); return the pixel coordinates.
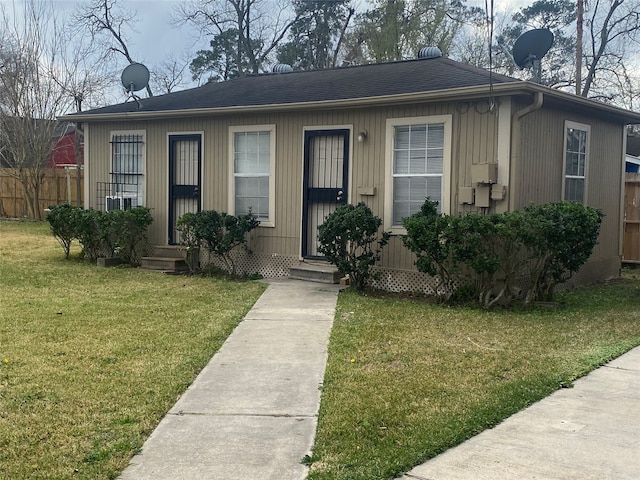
(507, 88)
(627, 116)
(435, 95)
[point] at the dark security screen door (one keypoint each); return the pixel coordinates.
(185, 158)
(326, 173)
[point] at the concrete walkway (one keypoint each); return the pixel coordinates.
(252, 411)
(588, 432)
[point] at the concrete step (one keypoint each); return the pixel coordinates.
(163, 264)
(320, 273)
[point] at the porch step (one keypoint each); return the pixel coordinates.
(164, 264)
(320, 273)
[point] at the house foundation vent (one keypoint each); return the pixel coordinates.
(429, 52)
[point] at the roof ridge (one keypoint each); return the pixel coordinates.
(346, 67)
(472, 68)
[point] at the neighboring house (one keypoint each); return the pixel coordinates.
(632, 164)
(632, 161)
(633, 143)
(64, 151)
(292, 146)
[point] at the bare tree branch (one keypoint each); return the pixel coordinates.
(30, 98)
(103, 19)
(258, 26)
(609, 32)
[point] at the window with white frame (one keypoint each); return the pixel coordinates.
(127, 165)
(418, 161)
(252, 164)
(576, 159)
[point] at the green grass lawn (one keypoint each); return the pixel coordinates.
(91, 359)
(407, 380)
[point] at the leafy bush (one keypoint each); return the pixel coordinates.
(546, 243)
(187, 225)
(429, 236)
(561, 237)
(91, 228)
(218, 233)
(130, 228)
(450, 248)
(102, 234)
(349, 239)
(61, 218)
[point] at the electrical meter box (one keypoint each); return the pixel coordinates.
(484, 173)
(465, 195)
(483, 196)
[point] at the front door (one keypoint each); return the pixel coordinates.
(326, 174)
(185, 158)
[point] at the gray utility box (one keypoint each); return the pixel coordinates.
(484, 173)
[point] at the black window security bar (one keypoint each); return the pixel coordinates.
(126, 158)
(112, 195)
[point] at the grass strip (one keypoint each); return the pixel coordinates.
(407, 379)
(91, 359)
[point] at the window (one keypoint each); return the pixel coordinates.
(127, 166)
(418, 161)
(576, 156)
(252, 164)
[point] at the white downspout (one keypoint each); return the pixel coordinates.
(538, 98)
(623, 186)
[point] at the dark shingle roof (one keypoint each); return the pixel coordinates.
(363, 81)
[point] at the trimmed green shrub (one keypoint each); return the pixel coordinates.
(457, 251)
(349, 239)
(561, 237)
(125, 231)
(102, 234)
(218, 233)
(424, 230)
(61, 218)
(91, 226)
(187, 225)
(486, 253)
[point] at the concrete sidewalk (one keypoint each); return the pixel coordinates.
(252, 411)
(588, 432)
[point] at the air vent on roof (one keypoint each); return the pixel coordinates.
(282, 68)
(429, 52)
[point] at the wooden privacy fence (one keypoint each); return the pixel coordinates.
(59, 186)
(631, 241)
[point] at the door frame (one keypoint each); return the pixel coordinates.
(348, 150)
(172, 137)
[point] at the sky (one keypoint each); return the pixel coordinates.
(155, 34)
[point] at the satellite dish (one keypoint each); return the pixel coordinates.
(135, 77)
(530, 47)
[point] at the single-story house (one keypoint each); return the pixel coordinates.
(292, 146)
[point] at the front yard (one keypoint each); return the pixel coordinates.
(407, 380)
(91, 359)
